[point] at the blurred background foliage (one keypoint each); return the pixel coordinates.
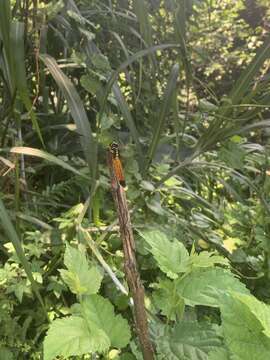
(183, 86)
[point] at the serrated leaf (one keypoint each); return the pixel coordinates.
(99, 311)
(207, 286)
(243, 331)
(206, 259)
(189, 341)
(71, 336)
(171, 256)
(80, 278)
(219, 354)
(258, 308)
(167, 300)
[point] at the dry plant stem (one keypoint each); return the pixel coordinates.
(130, 265)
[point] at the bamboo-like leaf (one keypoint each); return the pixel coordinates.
(243, 83)
(77, 110)
(180, 31)
(44, 155)
(141, 11)
(5, 21)
(17, 45)
(167, 100)
(12, 235)
(125, 64)
(217, 128)
(127, 116)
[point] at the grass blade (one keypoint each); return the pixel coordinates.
(77, 110)
(5, 21)
(166, 103)
(17, 43)
(127, 63)
(128, 117)
(46, 156)
(243, 83)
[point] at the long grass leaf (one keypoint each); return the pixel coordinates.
(180, 20)
(127, 63)
(141, 11)
(17, 44)
(46, 156)
(77, 110)
(13, 237)
(5, 21)
(166, 103)
(127, 116)
(243, 83)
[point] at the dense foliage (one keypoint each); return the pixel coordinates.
(184, 87)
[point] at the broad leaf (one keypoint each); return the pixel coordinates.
(167, 300)
(72, 336)
(219, 354)
(171, 256)
(207, 286)
(258, 308)
(100, 312)
(206, 259)
(80, 278)
(189, 341)
(244, 332)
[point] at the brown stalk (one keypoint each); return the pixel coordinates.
(130, 265)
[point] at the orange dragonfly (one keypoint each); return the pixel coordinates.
(116, 163)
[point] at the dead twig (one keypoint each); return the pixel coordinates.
(130, 265)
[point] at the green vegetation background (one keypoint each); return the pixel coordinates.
(184, 87)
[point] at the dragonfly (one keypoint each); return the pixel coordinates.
(116, 163)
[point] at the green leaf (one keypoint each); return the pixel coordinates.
(189, 341)
(91, 84)
(17, 43)
(167, 300)
(127, 63)
(44, 155)
(243, 83)
(80, 278)
(71, 336)
(12, 235)
(165, 106)
(244, 331)
(171, 256)
(100, 312)
(207, 286)
(142, 12)
(233, 155)
(6, 354)
(77, 110)
(127, 116)
(206, 259)
(219, 354)
(5, 24)
(258, 309)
